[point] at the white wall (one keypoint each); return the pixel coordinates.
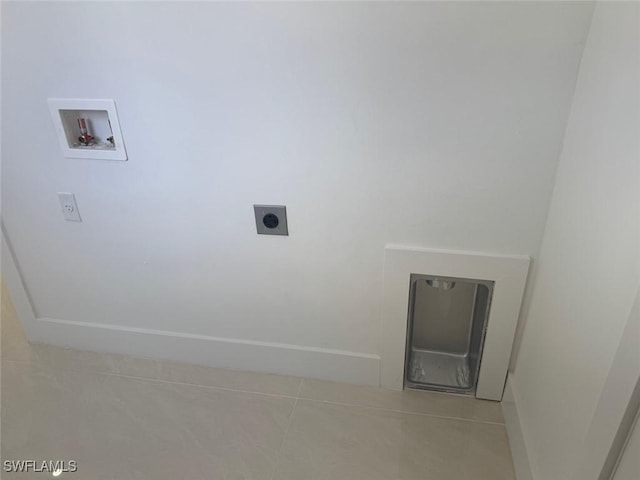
(589, 265)
(432, 124)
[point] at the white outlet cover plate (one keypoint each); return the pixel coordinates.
(59, 105)
(69, 207)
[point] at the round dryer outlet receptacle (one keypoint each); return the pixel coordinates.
(270, 220)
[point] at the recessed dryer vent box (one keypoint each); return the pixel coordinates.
(88, 128)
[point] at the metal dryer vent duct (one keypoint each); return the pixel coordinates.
(443, 285)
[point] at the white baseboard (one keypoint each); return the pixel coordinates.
(514, 431)
(236, 354)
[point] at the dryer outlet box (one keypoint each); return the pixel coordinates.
(271, 219)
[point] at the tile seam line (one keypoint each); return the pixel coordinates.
(276, 463)
(408, 412)
(197, 385)
(278, 395)
(149, 379)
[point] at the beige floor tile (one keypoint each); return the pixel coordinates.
(488, 454)
(336, 442)
(431, 403)
(131, 418)
(233, 379)
(123, 428)
(45, 412)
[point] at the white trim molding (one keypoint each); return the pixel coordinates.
(509, 274)
(232, 353)
(519, 453)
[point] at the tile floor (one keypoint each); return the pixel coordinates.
(126, 418)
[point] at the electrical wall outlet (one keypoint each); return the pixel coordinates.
(271, 219)
(69, 207)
